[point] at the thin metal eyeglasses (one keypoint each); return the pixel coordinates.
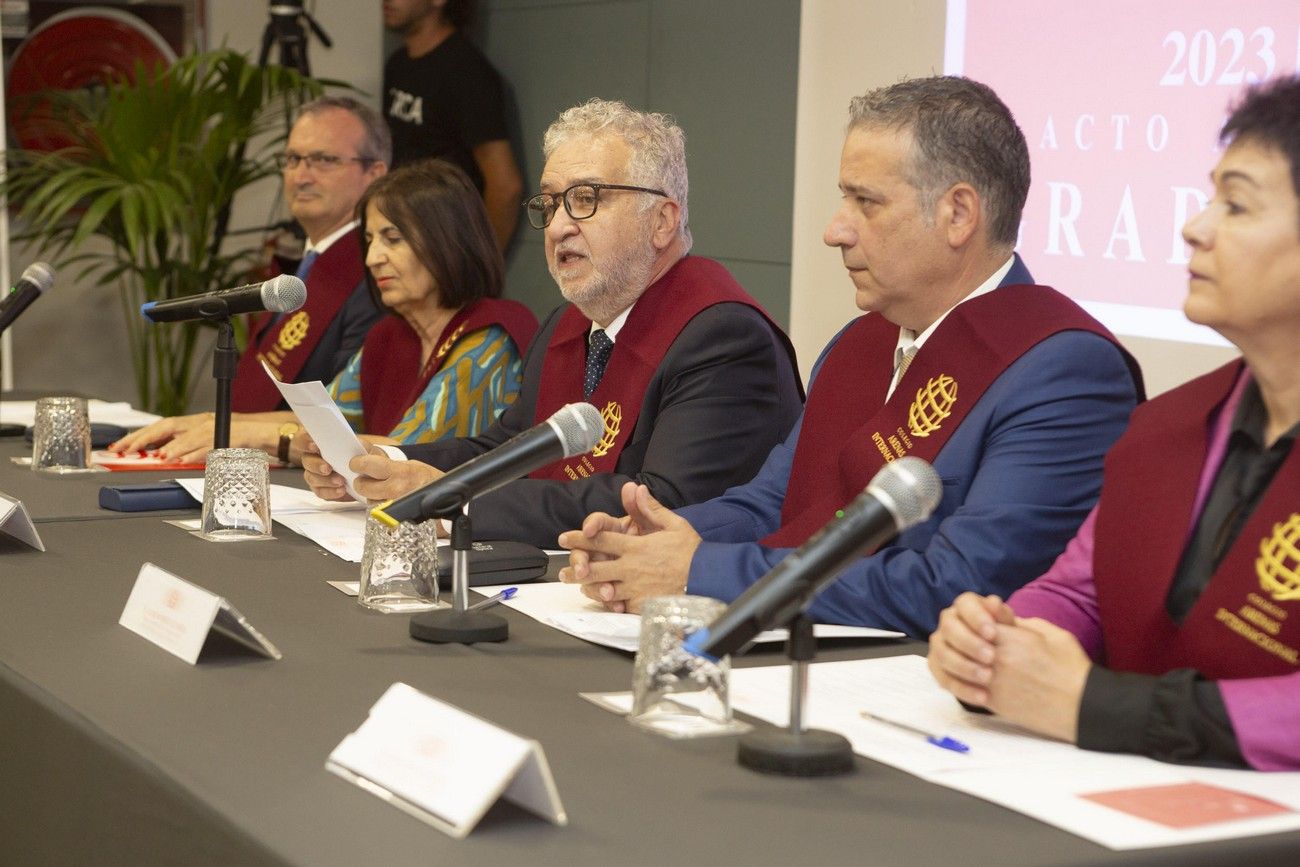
(580, 201)
(317, 160)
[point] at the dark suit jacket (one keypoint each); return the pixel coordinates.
(345, 333)
(343, 338)
(723, 397)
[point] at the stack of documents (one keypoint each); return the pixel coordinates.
(1119, 801)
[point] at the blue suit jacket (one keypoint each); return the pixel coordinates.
(1019, 476)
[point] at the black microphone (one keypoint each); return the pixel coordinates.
(280, 295)
(902, 494)
(573, 430)
(36, 279)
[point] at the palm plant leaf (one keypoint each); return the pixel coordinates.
(153, 169)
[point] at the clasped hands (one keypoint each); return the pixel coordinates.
(1024, 669)
(622, 562)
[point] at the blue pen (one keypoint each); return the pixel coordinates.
(505, 594)
(941, 741)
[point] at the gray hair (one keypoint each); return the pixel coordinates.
(961, 131)
(378, 140)
(657, 143)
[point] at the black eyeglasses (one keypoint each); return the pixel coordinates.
(317, 161)
(580, 201)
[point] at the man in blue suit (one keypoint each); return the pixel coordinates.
(1009, 389)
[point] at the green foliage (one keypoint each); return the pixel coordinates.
(153, 170)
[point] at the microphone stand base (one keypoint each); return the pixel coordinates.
(459, 627)
(806, 753)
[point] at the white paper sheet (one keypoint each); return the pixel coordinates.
(897, 688)
(343, 534)
(286, 500)
(321, 416)
(339, 528)
(347, 588)
(1041, 778)
(563, 607)
(24, 412)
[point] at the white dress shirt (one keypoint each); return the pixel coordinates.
(908, 338)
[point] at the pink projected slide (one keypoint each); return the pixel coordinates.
(1121, 104)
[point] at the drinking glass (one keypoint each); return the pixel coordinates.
(61, 435)
(674, 692)
(236, 496)
(399, 567)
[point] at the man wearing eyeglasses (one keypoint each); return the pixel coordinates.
(336, 148)
(695, 384)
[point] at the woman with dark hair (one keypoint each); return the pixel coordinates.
(1170, 626)
(447, 361)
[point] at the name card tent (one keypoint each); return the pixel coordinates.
(442, 765)
(16, 522)
(178, 616)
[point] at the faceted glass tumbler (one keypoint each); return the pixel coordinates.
(399, 567)
(61, 436)
(675, 692)
(236, 496)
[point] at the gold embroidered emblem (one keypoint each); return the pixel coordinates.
(294, 331)
(612, 415)
(450, 341)
(1278, 564)
(933, 404)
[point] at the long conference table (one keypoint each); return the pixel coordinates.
(114, 752)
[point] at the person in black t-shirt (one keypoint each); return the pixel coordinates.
(442, 98)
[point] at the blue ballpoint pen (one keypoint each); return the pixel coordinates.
(505, 594)
(941, 741)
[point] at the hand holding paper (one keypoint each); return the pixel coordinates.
(321, 417)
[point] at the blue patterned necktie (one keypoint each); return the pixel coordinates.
(598, 348)
(304, 267)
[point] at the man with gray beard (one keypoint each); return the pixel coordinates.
(694, 381)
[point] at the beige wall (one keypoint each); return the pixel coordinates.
(846, 48)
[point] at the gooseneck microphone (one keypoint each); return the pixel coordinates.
(902, 494)
(573, 430)
(36, 279)
(282, 294)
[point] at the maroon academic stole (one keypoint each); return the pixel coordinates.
(663, 310)
(287, 344)
(1242, 625)
(391, 376)
(849, 432)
